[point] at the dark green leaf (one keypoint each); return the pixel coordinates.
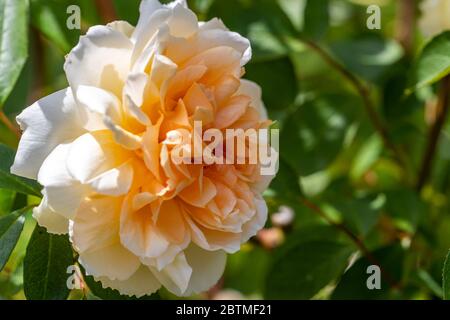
(262, 21)
(11, 227)
(314, 134)
(12, 182)
(446, 278)
(317, 18)
(45, 266)
(370, 57)
(303, 270)
(13, 43)
(6, 201)
(353, 284)
(278, 82)
(406, 208)
(433, 63)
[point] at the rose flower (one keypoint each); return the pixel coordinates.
(102, 148)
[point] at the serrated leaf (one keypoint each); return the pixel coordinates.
(306, 268)
(45, 266)
(446, 278)
(12, 182)
(11, 227)
(433, 63)
(13, 43)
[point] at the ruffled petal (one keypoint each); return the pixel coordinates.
(47, 123)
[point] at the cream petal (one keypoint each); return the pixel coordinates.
(49, 219)
(101, 59)
(183, 23)
(134, 92)
(141, 283)
(123, 27)
(93, 154)
(207, 268)
(104, 107)
(115, 182)
(253, 90)
(250, 228)
(180, 50)
(138, 233)
(175, 276)
(47, 123)
(63, 193)
(213, 239)
(95, 235)
(114, 262)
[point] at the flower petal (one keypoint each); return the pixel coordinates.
(141, 283)
(101, 59)
(47, 123)
(95, 235)
(207, 268)
(49, 219)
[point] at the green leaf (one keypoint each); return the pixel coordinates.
(359, 214)
(316, 18)
(13, 43)
(6, 201)
(243, 274)
(303, 270)
(43, 18)
(446, 278)
(11, 227)
(366, 156)
(406, 208)
(433, 63)
(278, 82)
(108, 293)
(45, 266)
(370, 57)
(12, 182)
(262, 21)
(353, 284)
(317, 129)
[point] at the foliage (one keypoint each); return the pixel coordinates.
(358, 119)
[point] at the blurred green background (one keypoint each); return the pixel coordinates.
(365, 141)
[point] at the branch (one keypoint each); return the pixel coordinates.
(106, 10)
(10, 125)
(364, 92)
(405, 24)
(358, 242)
(435, 132)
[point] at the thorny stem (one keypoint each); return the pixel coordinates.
(358, 242)
(435, 132)
(364, 92)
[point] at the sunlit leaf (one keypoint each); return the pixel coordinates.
(13, 43)
(10, 229)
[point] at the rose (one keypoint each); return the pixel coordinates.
(101, 149)
(435, 17)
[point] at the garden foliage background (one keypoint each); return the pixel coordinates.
(365, 148)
